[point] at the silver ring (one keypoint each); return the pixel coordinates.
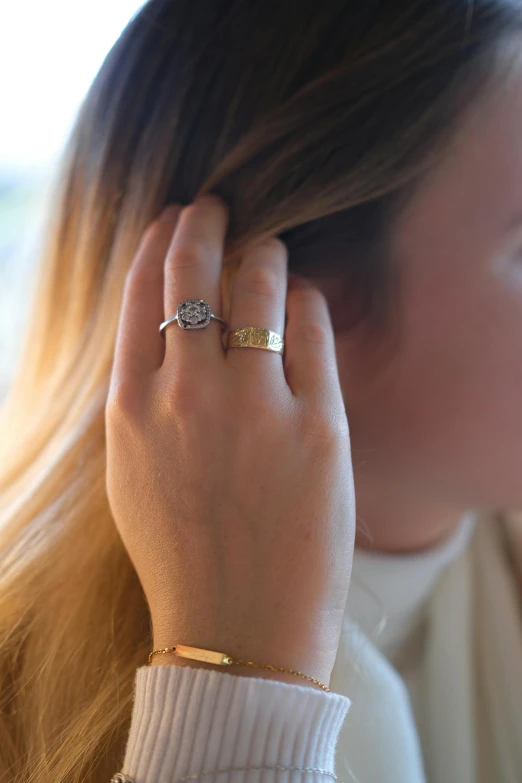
(192, 314)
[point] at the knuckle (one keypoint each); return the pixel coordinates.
(257, 409)
(154, 229)
(275, 246)
(122, 405)
(186, 398)
(260, 281)
(327, 426)
(150, 232)
(136, 276)
(307, 294)
(186, 256)
(314, 332)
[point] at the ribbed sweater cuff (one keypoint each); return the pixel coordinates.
(195, 722)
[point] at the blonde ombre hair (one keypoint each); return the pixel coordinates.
(312, 126)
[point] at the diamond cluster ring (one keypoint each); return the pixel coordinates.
(192, 314)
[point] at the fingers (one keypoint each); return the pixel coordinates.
(193, 271)
(180, 259)
(258, 299)
(260, 294)
(140, 348)
(310, 356)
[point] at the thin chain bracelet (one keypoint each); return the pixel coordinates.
(121, 777)
(259, 767)
(223, 659)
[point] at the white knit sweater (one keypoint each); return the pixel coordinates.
(432, 696)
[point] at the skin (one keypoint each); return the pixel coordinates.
(245, 545)
(228, 471)
(436, 421)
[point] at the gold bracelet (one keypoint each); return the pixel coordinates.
(222, 659)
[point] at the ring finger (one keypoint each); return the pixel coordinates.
(258, 298)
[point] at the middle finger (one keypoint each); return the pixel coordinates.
(193, 267)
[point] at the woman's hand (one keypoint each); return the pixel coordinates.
(228, 471)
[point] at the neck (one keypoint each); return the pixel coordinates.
(397, 519)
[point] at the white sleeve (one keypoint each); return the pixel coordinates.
(214, 727)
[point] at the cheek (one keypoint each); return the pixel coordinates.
(447, 410)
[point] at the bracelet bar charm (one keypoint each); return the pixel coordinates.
(222, 659)
(207, 656)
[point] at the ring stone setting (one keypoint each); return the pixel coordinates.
(193, 314)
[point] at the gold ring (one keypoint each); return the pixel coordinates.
(255, 337)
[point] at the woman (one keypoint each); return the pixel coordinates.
(374, 152)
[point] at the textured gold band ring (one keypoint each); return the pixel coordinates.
(255, 337)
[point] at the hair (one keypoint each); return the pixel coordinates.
(315, 122)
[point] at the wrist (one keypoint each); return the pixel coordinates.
(171, 659)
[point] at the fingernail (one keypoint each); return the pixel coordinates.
(170, 213)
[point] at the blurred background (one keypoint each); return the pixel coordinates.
(49, 54)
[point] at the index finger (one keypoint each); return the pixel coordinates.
(139, 348)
